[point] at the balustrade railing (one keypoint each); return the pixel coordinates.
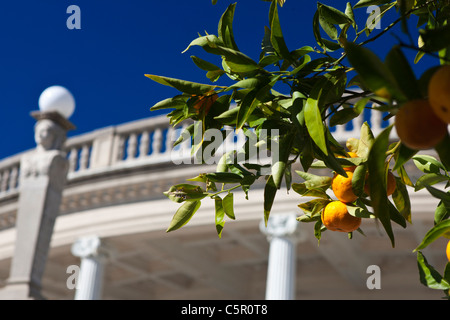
(145, 142)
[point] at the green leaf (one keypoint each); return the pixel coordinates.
(366, 141)
(270, 191)
(428, 180)
(284, 150)
(359, 212)
(404, 75)
(228, 206)
(377, 181)
(374, 74)
(184, 213)
(444, 196)
(304, 191)
(313, 121)
(314, 207)
(367, 3)
(333, 15)
(402, 200)
(429, 276)
(443, 151)
(358, 180)
(224, 177)
(435, 39)
(219, 216)
(276, 35)
(225, 28)
(185, 192)
(175, 102)
(434, 233)
(402, 155)
(427, 163)
(313, 181)
(182, 85)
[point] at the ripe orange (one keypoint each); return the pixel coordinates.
(342, 187)
(391, 184)
(205, 103)
(417, 125)
(448, 251)
(439, 93)
(350, 155)
(335, 217)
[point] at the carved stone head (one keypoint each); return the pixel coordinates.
(49, 135)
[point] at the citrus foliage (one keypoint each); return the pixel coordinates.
(303, 93)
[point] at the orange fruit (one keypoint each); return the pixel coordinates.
(335, 217)
(350, 155)
(417, 125)
(342, 187)
(391, 184)
(205, 103)
(448, 251)
(439, 93)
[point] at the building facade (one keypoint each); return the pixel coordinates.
(109, 239)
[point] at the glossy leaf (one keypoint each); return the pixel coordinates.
(276, 35)
(182, 85)
(402, 200)
(428, 180)
(313, 121)
(429, 276)
(185, 192)
(373, 73)
(270, 191)
(184, 213)
(434, 233)
(224, 177)
(404, 75)
(228, 206)
(219, 216)
(225, 28)
(333, 15)
(284, 150)
(377, 181)
(367, 3)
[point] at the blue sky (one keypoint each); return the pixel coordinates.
(104, 63)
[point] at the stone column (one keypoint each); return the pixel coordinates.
(282, 233)
(42, 178)
(93, 256)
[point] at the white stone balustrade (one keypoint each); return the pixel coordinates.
(143, 142)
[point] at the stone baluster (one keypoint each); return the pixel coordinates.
(5, 180)
(84, 157)
(169, 139)
(157, 141)
(144, 144)
(13, 177)
(375, 120)
(73, 159)
(132, 146)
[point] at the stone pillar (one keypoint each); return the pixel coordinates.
(282, 233)
(93, 256)
(42, 178)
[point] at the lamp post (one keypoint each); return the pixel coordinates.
(43, 174)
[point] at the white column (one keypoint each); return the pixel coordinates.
(93, 257)
(282, 233)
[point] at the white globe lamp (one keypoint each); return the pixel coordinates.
(57, 98)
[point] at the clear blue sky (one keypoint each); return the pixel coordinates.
(104, 63)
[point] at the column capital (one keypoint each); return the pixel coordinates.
(281, 225)
(89, 246)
